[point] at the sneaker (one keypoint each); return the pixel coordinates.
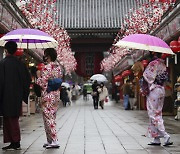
(54, 144)
(12, 146)
(45, 144)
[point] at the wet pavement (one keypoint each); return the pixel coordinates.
(83, 130)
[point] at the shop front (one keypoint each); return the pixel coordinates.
(170, 32)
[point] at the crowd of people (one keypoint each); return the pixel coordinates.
(14, 89)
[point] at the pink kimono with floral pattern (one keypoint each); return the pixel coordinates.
(155, 99)
(49, 100)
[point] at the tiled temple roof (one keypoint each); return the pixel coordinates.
(93, 14)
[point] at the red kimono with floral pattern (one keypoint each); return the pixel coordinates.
(49, 100)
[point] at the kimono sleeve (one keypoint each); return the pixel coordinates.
(150, 72)
(43, 79)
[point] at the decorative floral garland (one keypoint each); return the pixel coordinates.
(142, 20)
(42, 15)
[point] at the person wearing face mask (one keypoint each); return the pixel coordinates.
(49, 99)
(103, 93)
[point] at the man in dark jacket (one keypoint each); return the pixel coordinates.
(95, 94)
(14, 88)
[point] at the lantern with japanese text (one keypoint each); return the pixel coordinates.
(126, 73)
(175, 46)
(40, 66)
(19, 52)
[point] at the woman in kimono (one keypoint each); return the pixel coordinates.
(156, 74)
(49, 100)
(103, 93)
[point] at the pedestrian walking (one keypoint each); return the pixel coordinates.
(69, 92)
(132, 98)
(74, 92)
(156, 75)
(14, 88)
(50, 99)
(64, 96)
(95, 94)
(85, 93)
(126, 94)
(103, 94)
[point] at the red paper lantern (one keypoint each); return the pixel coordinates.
(126, 73)
(40, 66)
(19, 52)
(179, 40)
(175, 46)
(164, 55)
(145, 62)
(118, 78)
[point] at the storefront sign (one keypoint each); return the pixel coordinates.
(15, 24)
(165, 33)
(174, 26)
(6, 19)
(1, 8)
(170, 30)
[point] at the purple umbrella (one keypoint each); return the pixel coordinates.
(29, 39)
(144, 42)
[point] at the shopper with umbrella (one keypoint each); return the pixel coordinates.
(155, 75)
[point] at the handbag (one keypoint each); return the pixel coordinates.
(144, 88)
(106, 99)
(54, 84)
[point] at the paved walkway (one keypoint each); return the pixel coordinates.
(83, 130)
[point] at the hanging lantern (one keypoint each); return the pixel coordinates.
(19, 52)
(164, 55)
(126, 73)
(40, 66)
(118, 78)
(145, 62)
(175, 46)
(179, 40)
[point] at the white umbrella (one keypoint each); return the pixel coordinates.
(99, 78)
(65, 84)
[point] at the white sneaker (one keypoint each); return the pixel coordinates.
(54, 144)
(45, 144)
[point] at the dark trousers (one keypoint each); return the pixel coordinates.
(95, 101)
(11, 129)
